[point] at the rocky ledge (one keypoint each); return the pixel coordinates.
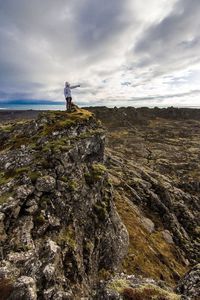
(59, 229)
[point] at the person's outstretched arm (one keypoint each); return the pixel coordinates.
(74, 86)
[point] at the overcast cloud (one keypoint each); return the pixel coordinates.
(130, 52)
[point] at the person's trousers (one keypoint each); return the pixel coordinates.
(68, 103)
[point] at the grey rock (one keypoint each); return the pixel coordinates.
(46, 183)
(148, 224)
(189, 285)
(3, 234)
(167, 236)
(51, 293)
(24, 289)
(32, 209)
(24, 191)
(49, 272)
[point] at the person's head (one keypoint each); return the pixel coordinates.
(67, 84)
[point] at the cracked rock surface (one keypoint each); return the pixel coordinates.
(59, 227)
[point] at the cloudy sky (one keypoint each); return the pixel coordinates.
(122, 52)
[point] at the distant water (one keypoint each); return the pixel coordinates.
(33, 107)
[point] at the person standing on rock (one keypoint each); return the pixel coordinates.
(68, 95)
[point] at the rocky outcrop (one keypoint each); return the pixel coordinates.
(59, 227)
(189, 285)
(131, 287)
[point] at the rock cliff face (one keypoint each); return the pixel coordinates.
(59, 228)
(153, 161)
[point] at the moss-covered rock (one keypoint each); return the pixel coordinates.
(57, 232)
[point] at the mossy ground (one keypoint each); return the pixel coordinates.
(56, 121)
(4, 197)
(148, 292)
(149, 254)
(60, 120)
(67, 237)
(142, 292)
(118, 285)
(97, 172)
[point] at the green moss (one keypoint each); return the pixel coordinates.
(12, 174)
(40, 219)
(34, 176)
(15, 172)
(3, 179)
(4, 197)
(64, 179)
(97, 172)
(148, 292)
(58, 126)
(55, 145)
(104, 274)
(6, 127)
(99, 169)
(67, 237)
(73, 185)
(62, 120)
(118, 285)
(56, 121)
(147, 262)
(88, 246)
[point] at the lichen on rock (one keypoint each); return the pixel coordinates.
(57, 231)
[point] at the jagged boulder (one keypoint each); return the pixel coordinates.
(45, 184)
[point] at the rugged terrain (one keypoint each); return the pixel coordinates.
(153, 161)
(59, 229)
(61, 193)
